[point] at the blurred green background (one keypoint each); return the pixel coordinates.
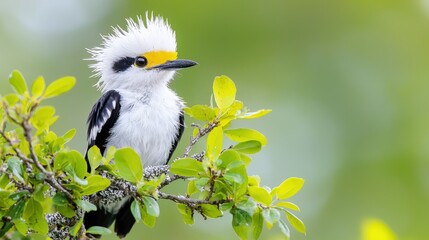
(348, 82)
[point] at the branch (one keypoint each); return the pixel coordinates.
(49, 176)
(155, 171)
(201, 133)
(16, 150)
(120, 189)
(192, 203)
(170, 179)
(25, 124)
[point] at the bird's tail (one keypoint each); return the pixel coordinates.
(123, 224)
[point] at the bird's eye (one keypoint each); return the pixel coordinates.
(140, 61)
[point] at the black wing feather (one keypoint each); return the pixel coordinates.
(102, 118)
(179, 133)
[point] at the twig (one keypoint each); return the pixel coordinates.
(6, 110)
(199, 156)
(201, 133)
(29, 168)
(49, 176)
(170, 179)
(192, 203)
(16, 150)
(211, 187)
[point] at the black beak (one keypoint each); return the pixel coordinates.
(175, 64)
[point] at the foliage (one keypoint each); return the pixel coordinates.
(376, 229)
(45, 187)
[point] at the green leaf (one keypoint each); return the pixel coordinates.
(75, 229)
(11, 99)
(59, 87)
(201, 112)
(191, 189)
(95, 158)
(249, 147)
(14, 212)
(289, 187)
(66, 211)
(271, 215)
(95, 184)
(149, 220)
(211, 211)
(86, 205)
(110, 154)
(42, 117)
(188, 167)
(233, 177)
(187, 213)
(39, 193)
(288, 205)
(60, 199)
(17, 209)
(135, 210)
(226, 206)
(71, 171)
(69, 135)
(295, 222)
(15, 165)
(234, 164)
(254, 180)
(21, 226)
(244, 135)
(227, 157)
(96, 230)
(257, 114)
(18, 82)
(214, 143)
(151, 205)
(5, 201)
(261, 195)
(247, 205)
(232, 110)
(4, 181)
(18, 195)
(241, 222)
(201, 182)
(37, 236)
(35, 217)
(74, 186)
(73, 159)
(257, 224)
(285, 229)
(38, 87)
(241, 187)
(39, 176)
(129, 165)
(224, 91)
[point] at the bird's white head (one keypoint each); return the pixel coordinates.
(139, 58)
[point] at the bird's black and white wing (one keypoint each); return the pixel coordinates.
(102, 118)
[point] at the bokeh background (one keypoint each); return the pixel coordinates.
(348, 82)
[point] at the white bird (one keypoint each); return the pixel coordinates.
(137, 108)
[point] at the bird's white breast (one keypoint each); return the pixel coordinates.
(148, 123)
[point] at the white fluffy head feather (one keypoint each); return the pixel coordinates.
(154, 34)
